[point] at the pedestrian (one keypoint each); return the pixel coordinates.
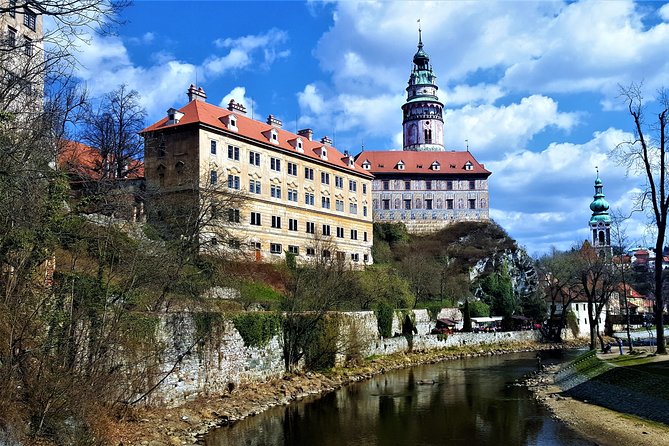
(620, 345)
(538, 362)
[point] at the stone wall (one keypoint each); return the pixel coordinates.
(190, 368)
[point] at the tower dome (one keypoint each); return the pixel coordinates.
(600, 221)
(423, 122)
(599, 206)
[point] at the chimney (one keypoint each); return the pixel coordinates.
(307, 133)
(236, 107)
(271, 120)
(197, 94)
(326, 140)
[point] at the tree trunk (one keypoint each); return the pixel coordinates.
(659, 301)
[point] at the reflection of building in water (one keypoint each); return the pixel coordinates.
(425, 186)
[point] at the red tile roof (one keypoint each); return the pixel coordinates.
(420, 162)
(202, 112)
(84, 162)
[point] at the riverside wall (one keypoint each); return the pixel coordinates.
(189, 369)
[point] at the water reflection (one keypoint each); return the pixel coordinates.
(468, 402)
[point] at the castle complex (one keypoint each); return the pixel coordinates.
(296, 195)
(424, 186)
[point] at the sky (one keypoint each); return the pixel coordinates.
(532, 86)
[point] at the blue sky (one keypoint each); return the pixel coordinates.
(533, 86)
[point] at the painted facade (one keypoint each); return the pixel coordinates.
(296, 194)
(424, 186)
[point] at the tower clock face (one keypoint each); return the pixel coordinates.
(427, 123)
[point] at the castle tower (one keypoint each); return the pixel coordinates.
(600, 222)
(423, 123)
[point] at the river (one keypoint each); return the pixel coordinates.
(468, 402)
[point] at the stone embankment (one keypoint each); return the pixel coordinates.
(185, 424)
(603, 401)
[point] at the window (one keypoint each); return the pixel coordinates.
(407, 185)
(310, 227)
(469, 166)
(472, 203)
(234, 243)
(428, 204)
(254, 186)
(308, 173)
(254, 158)
(364, 236)
(292, 169)
(325, 178)
(472, 184)
(233, 153)
(407, 204)
(325, 202)
(255, 218)
(275, 191)
(12, 8)
(213, 147)
(233, 215)
(11, 37)
(256, 246)
(292, 195)
(29, 19)
(275, 164)
(161, 150)
(292, 224)
(311, 252)
(214, 241)
(386, 185)
(326, 230)
(364, 211)
(276, 222)
(325, 254)
(275, 248)
(233, 182)
(294, 249)
(339, 182)
(449, 185)
(341, 256)
(364, 188)
(352, 186)
(449, 203)
(353, 208)
(355, 257)
(386, 204)
(340, 205)
(340, 232)
(28, 46)
(365, 258)
(354, 234)
(428, 184)
(309, 198)
(213, 177)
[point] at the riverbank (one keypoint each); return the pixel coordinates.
(614, 425)
(183, 425)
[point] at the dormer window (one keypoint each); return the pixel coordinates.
(174, 116)
(351, 162)
(400, 165)
(272, 135)
(230, 122)
(435, 165)
(297, 144)
(322, 152)
(469, 166)
(366, 165)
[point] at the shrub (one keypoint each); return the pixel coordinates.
(384, 318)
(257, 329)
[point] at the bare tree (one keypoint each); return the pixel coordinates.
(113, 131)
(646, 154)
(619, 238)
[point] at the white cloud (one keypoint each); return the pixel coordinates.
(243, 49)
(472, 94)
(239, 95)
(503, 128)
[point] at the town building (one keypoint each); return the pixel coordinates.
(425, 186)
(600, 221)
(284, 192)
(21, 59)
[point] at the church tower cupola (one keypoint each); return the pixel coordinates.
(600, 221)
(423, 122)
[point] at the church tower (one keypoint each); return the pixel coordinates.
(600, 222)
(423, 122)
